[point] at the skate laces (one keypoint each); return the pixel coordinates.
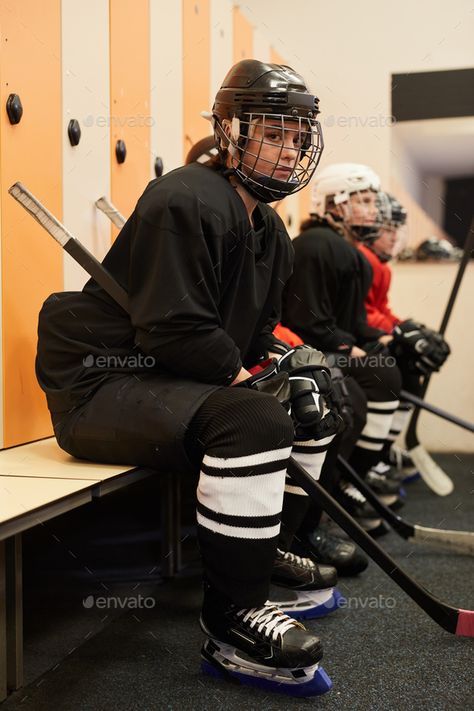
(381, 468)
(268, 620)
(296, 559)
(353, 493)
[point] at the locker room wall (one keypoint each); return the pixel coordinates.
(130, 118)
(243, 36)
(196, 69)
(144, 82)
(166, 80)
(86, 167)
(30, 151)
(222, 47)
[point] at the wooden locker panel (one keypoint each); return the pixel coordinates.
(282, 206)
(243, 36)
(166, 78)
(86, 96)
(222, 53)
(30, 151)
(196, 70)
(130, 118)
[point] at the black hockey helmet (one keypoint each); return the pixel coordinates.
(391, 213)
(273, 95)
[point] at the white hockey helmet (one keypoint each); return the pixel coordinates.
(338, 181)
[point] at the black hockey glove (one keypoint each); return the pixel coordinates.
(270, 381)
(310, 388)
(424, 350)
(339, 399)
(440, 350)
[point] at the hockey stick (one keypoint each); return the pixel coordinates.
(452, 619)
(111, 211)
(70, 244)
(409, 397)
(455, 541)
(431, 472)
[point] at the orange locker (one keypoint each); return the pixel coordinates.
(130, 115)
(196, 70)
(30, 151)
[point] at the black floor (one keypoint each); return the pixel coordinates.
(382, 652)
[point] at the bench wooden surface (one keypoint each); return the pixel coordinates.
(45, 459)
(20, 495)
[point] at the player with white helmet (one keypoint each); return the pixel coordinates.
(418, 349)
(324, 305)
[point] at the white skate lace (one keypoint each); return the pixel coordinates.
(380, 468)
(397, 453)
(375, 476)
(268, 620)
(296, 559)
(354, 493)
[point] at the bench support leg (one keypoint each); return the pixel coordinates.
(3, 625)
(14, 604)
(170, 524)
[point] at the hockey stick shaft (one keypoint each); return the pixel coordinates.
(456, 541)
(448, 617)
(411, 437)
(69, 243)
(409, 397)
(111, 211)
(443, 614)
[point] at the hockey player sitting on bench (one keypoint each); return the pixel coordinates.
(419, 350)
(324, 305)
(204, 259)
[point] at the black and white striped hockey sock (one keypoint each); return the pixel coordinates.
(246, 439)
(311, 455)
(367, 451)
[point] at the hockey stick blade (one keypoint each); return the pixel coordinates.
(431, 473)
(455, 541)
(457, 621)
(460, 622)
(111, 211)
(69, 243)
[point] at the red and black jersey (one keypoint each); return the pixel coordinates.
(379, 314)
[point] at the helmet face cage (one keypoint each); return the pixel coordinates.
(391, 218)
(390, 212)
(360, 231)
(256, 165)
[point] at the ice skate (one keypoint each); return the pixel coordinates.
(261, 647)
(302, 588)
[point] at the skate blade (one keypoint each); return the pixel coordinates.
(388, 499)
(369, 524)
(310, 604)
(299, 682)
(410, 478)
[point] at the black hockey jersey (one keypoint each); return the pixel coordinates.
(324, 299)
(204, 289)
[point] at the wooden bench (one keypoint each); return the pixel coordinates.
(39, 481)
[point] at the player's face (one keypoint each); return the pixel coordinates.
(272, 150)
(361, 209)
(386, 241)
